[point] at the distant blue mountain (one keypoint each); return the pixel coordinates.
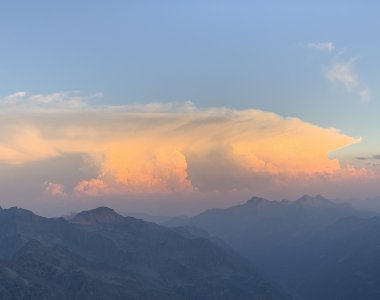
(287, 239)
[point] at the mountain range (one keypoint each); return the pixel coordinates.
(313, 247)
(99, 254)
(308, 249)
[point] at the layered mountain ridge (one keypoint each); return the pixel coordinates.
(100, 254)
(316, 248)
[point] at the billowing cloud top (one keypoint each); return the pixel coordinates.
(164, 148)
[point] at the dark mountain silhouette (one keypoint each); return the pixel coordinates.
(41, 272)
(100, 254)
(283, 238)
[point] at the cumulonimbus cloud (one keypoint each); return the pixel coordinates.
(174, 148)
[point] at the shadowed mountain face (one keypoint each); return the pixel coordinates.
(102, 255)
(301, 244)
(42, 272)
(345, 261)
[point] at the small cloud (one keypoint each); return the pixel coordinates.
(343, 73)
(376, 156)
(23, 102)
(54, 189)
(92, 187)
(74, 101)
(13, 98)
(157, 107)
(324, 46)
(365, 96)
(361, 158)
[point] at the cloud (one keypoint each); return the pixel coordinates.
(173, 148)
(376, 157)
(324, 46)
(365, 96)
(342, 72)
(54, 189)
(361, 158)
(23, 102)
(13, 98)
(186, 106)
(138, 166)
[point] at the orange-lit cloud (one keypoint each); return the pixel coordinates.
(54, 189)
(164, 148)
(138, 166)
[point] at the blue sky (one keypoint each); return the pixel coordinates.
(234, 53)
(313, 60)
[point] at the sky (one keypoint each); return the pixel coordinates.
(171, 107)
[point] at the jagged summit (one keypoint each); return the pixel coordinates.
(257, 200)
(315, 201)
(100, 215)
(19, 213)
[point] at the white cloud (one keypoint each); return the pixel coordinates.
(365, 96)
(23, 102)
(13, 98)
(324, 46)
(343, 73)
(156, 107)
(73, 101)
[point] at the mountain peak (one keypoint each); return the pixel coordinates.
(16, 212)
(100, 215)
(315, 201)
(257, 200)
